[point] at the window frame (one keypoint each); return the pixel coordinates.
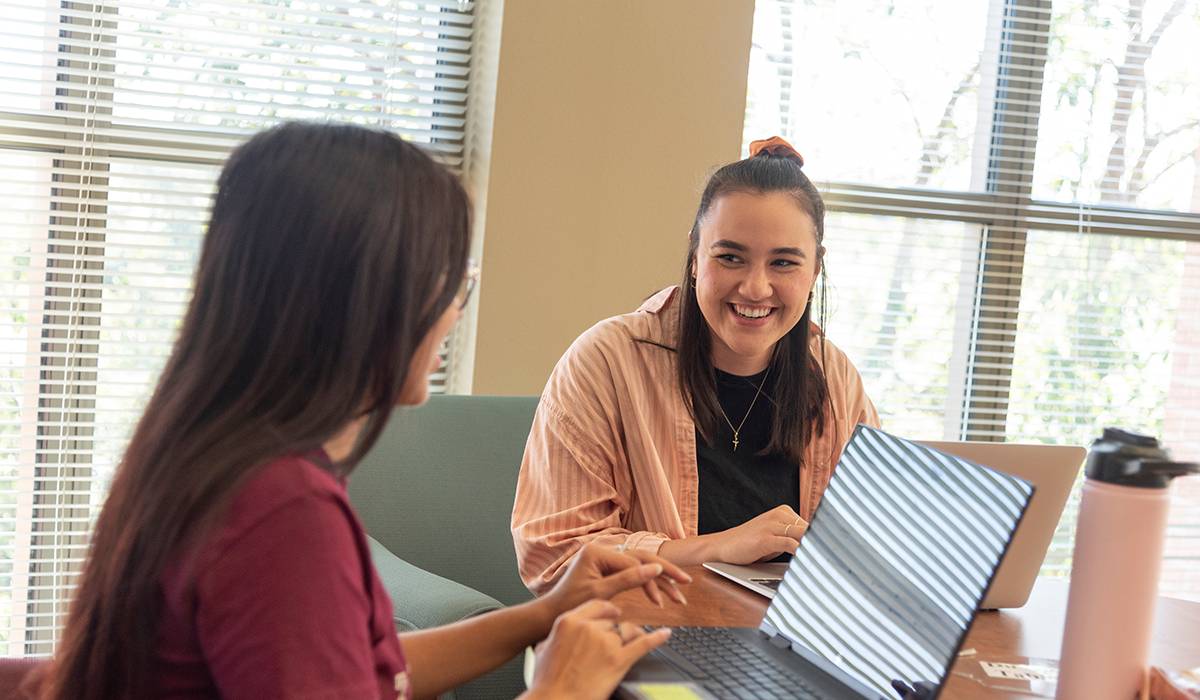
(54, 485)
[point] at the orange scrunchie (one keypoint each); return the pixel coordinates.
(775, 146)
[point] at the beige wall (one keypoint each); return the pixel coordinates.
(609, 115)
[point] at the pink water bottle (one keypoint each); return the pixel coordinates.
(1114, 572)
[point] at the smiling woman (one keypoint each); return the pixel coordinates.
(704, 426)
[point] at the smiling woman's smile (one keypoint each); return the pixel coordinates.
(748, 311)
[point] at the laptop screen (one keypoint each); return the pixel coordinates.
(897, 558)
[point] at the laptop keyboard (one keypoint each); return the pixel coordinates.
(728, 667)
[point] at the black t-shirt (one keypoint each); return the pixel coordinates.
(736, 486)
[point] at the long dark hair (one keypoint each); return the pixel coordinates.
(331, 252)
(800, 395)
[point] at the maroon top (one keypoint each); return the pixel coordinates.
(283, 600)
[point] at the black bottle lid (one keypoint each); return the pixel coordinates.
(1131, 459)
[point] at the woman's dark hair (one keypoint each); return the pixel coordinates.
(801, 394)
(331, 252)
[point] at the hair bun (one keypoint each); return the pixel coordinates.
(775, 146)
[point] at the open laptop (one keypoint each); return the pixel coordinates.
(882, 589)
(1052, 469)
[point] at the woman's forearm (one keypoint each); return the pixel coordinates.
(777, 531)
(444, 657)
(691, 551)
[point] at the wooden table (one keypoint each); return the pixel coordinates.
(1031, 631)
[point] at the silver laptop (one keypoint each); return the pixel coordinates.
(1052, 469)
(880, 593)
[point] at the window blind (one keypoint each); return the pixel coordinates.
(114, 120)
(1014, 228)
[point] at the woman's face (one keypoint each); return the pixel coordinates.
(755, 266)
(426, 361)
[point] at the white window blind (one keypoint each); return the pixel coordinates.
(114, 120)
(1014, 236)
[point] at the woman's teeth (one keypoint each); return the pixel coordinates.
(752, 311)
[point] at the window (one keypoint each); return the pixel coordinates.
(114, 121)
(1014, 227)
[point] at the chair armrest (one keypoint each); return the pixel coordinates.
(421, 599)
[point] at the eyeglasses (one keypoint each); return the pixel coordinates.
(470, 281)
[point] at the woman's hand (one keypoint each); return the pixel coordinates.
(766, 536)
(584, 651)
(589, 652)
(602, 572)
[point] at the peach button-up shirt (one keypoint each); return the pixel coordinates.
(611, 455)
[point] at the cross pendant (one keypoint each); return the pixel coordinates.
(735, 442)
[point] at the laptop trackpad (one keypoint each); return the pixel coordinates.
(672, 690)
(653, 676)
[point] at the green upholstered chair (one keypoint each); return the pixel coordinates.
(436, 494)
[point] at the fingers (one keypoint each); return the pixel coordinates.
(651, 577)
(611, 561)
(674, 592)
(632, 577)
(783, 512)
(601, 572)
(601, 618)
(667, 581)
(644, 644)
(794, 528)
(629, 632)
(782, 545)
(672, 574)
(652, 592)
(670, 570)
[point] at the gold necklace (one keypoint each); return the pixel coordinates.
(738, 429)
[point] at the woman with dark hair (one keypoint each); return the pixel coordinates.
(227, 560)
(705, 425)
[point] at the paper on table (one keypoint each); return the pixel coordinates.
(1017, 674)
(1022, 672)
